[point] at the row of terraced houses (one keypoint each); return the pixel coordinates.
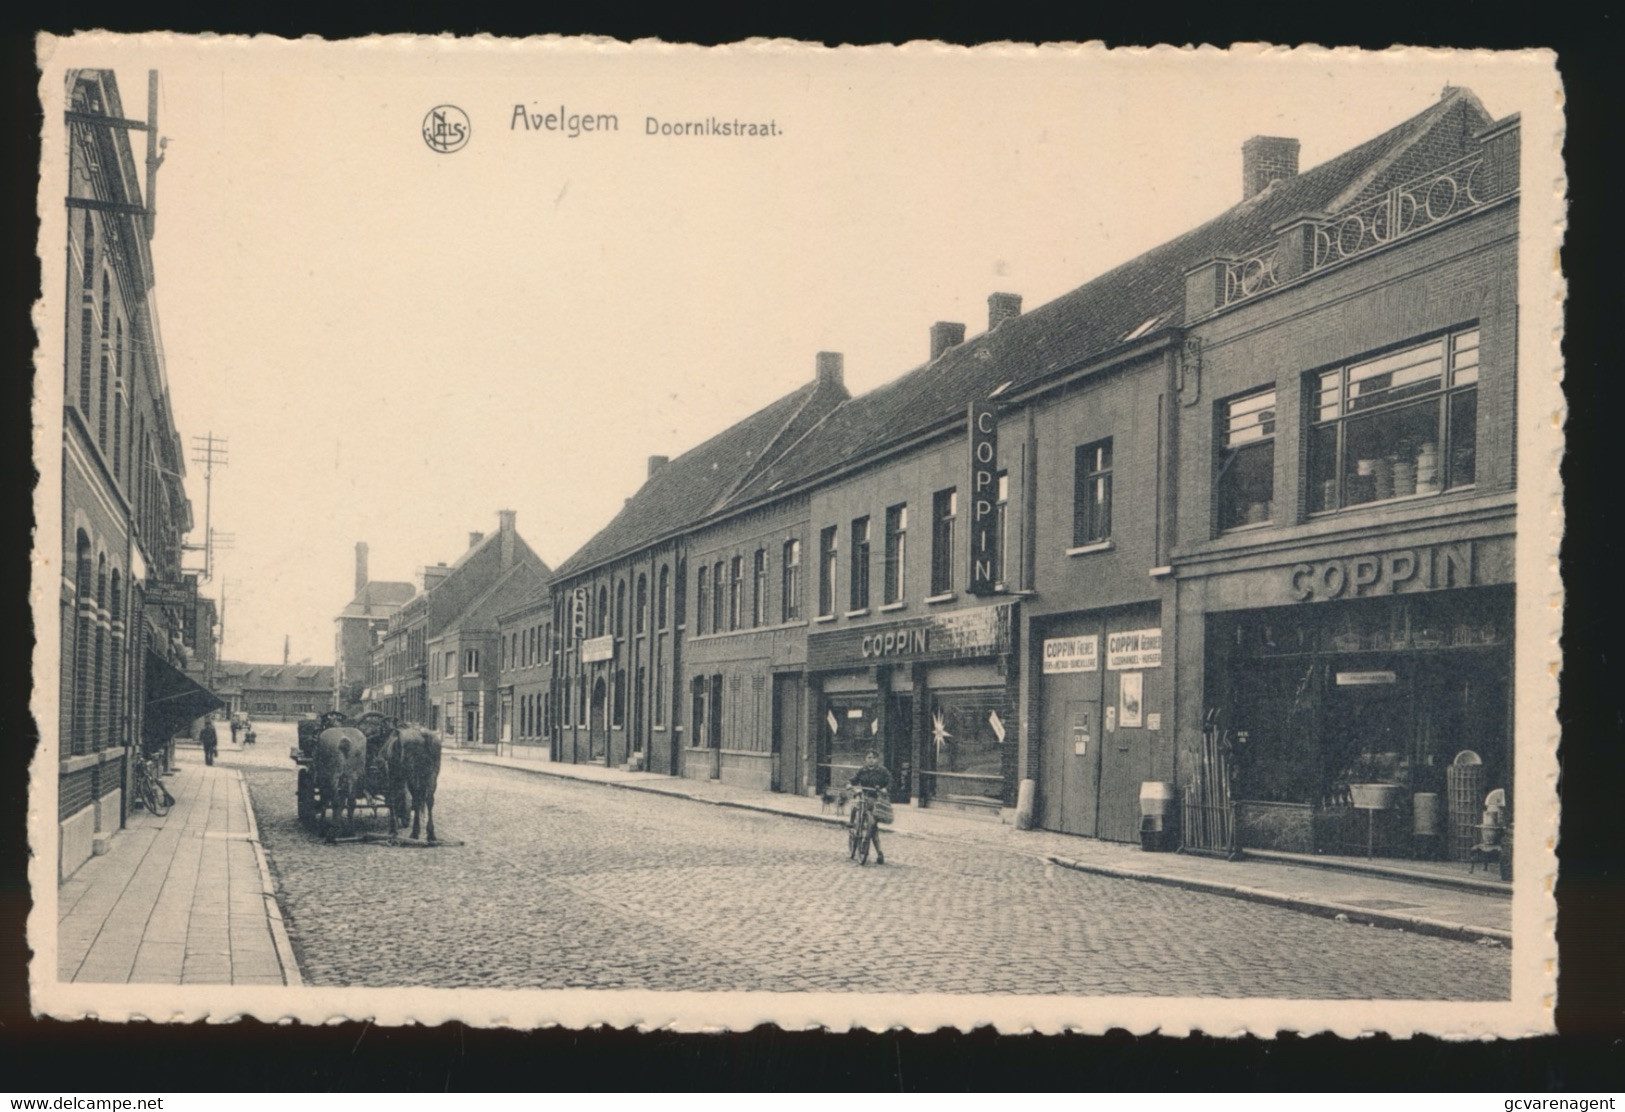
(1233, 520)
(137, 642)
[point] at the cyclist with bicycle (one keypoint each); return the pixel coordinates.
(870, 780)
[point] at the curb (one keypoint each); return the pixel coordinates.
(273, 911)
(1326, 909)
(669, 793)
(1458, 883)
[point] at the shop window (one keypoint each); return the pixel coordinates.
(758, 598)
(944, 509)
(968, 734)
(850, 726)
(827, 555)
(1244, 481)
(1092, 493)
(736, 587)
(790, 603)
(1399, 425)
(896, 552)
(702, 598)
(858, 590)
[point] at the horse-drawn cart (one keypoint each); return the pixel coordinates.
(314, 798)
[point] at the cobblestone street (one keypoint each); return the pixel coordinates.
(561, 884)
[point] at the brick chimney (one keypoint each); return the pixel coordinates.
(360, 566)
(505, 527)
(944, 335)
(830, 369)
(656, 463)
(1002, 307)
(1266, 158)
(475, 538)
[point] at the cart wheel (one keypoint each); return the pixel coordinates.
(307, 797)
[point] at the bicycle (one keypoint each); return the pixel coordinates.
(862, 828)
(149, 790)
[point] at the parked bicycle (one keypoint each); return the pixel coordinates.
(149, 790)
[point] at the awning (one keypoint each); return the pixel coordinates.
(173, 699)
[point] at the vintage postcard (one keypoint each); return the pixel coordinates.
(569, 532)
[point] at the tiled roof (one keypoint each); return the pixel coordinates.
(1093, 320)
(271, 674)
(523, 578)
(699, 481)
(379, 599)
(540, 596)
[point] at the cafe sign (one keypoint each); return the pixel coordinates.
(598, 648)
(171, 592)
(1134, 649)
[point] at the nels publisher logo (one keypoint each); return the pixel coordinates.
(446, 129)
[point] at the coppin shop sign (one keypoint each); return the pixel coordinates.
(983, 422)
(980, 631)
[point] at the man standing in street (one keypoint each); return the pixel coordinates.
(209, 740)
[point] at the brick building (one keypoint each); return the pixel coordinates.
(524, 682)
(274, 692)
(620, 602)
(399, 677)
(359, 629)
(125, 608)
(465, 658)
(1343, 556)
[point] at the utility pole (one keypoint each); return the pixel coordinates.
(211, 451)
(220, 644)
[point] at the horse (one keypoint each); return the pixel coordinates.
(411, 756)
(340, 769)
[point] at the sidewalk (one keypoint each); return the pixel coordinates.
(183, 899)
(1431, 898)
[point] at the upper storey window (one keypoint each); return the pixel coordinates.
(1398, 425)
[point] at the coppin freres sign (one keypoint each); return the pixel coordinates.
(960, 634)
(984, 498)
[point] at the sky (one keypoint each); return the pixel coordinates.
(397, 343)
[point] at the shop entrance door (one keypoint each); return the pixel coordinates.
(1070, 799)
(788, 726)
(1072, 732)
(900, 741)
